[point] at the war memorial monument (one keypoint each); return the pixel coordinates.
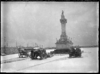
(64, 42)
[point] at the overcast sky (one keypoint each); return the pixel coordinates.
(39, 22)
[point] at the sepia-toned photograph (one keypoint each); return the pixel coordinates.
(49, 37)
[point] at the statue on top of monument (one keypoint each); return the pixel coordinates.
(62, 12)
(62, 16)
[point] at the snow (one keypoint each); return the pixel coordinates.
(57, 63)
(49, 50)
(9, 57)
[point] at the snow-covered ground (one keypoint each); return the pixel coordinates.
(57, 63)
(9, 57)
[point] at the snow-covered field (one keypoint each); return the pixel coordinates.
(9, 57)
(57, 63)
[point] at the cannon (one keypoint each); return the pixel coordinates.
(39, 54)
(22, 53)
(75, 52)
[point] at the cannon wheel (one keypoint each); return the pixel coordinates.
(41, 57)
(71, 55)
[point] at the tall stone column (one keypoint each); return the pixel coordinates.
(63, 26)
(63, 23)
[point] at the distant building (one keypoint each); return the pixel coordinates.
(63, 42)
